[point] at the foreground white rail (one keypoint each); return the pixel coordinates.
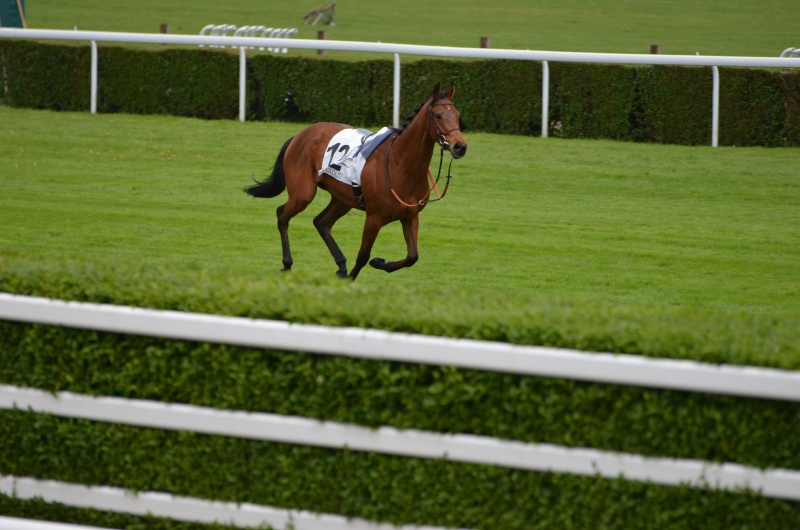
(186, 509)
(713, 61)
(14, 523)
(381, 345)
(467, 448)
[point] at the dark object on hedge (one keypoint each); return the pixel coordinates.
(384, 180)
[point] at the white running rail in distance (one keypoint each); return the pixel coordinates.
(264, 32)
(713, 61)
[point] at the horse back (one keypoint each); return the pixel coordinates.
(307, 150)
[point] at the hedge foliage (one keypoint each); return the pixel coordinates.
(440, 399)
(630, 103)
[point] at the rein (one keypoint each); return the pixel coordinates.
(442, 144)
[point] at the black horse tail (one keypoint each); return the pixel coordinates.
(275, 183)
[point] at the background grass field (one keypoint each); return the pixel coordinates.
(736, 27)
(611, 230)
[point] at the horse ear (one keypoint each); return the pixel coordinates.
(451, 91)
(436, 91)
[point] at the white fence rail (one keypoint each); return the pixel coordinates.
(14, 523)
(179, 508)
(408, 49)
(620, 369)
(472, 449)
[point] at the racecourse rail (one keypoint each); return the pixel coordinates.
(713, 61)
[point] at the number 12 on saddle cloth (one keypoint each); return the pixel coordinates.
(348, 151)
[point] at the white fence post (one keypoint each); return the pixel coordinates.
(93, 104)
(715, 107)
(545, 99)
(242, 82)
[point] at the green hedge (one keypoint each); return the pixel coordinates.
(630, 103)
(441, 399)
(173, 82)
(42, 76)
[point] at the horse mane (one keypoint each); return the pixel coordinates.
(416, 111)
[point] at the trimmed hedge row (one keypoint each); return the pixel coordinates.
(642, 103)
(441, 399)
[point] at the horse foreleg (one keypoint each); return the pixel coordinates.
(372, 226)
(324, 222)
(410, 230)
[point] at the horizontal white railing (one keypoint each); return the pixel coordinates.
(609, 368)
(472, 449)
(178, 508)
(14, 523)
(405, 49)
(713, 61)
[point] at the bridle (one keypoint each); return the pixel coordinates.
(443, 144)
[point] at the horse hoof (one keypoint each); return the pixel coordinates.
(342, 274)
(378, 263)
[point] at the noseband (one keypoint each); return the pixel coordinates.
(442, 135)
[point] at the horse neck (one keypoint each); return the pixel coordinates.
(416, 145)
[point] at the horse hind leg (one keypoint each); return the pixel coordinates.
(285, 212)
(324, 222)
(283, 228)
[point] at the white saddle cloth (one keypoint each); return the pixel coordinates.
(344, 158)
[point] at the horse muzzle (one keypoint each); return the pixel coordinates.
(458, 150)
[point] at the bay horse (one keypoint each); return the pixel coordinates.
(394, 181)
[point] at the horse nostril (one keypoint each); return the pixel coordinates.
(460, 150)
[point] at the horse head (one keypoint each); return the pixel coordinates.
(445, 121)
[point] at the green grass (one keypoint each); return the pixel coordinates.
(566, 230)
(685, 27)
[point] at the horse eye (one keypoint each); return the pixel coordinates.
(439, 116)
